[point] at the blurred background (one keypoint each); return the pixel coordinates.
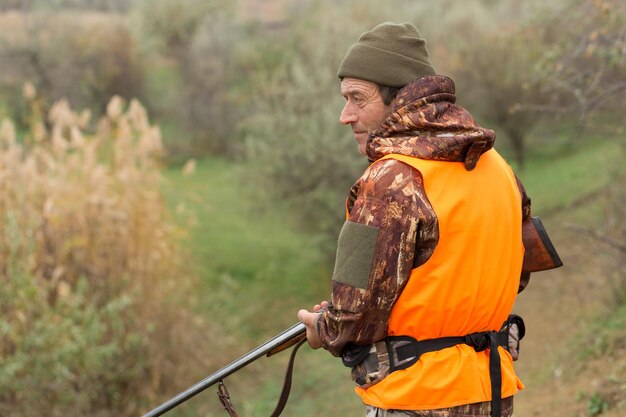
(173, 176)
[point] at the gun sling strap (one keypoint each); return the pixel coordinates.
(407, 354)
(224, 397)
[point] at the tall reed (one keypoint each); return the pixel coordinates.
(93, 293)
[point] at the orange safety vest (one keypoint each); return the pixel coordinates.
(468, 285)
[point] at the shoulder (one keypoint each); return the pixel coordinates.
(390, 179)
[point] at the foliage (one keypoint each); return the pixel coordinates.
(297, 151)
(597, 405)
(496, 68)
(604, 343)
(90, 317)
(197, 41)
(173, 23)
(108, 321)
(539, 67)
(583, 67)
(211, 71)
(85, 60)
(100, 5)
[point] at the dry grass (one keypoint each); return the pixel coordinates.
(86, 57)
(87, 217)
(92, 278)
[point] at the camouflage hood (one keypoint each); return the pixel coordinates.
(426, 124)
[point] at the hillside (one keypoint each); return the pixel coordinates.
(573, 359)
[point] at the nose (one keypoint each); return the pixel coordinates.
(347, 115)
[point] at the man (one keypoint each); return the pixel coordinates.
(429, 260)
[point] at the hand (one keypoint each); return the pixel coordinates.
(514, 341)
(309, 319)
(319, 307)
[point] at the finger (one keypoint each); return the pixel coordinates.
(318, 307)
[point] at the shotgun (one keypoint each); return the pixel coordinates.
(540, 254)
(295, 335)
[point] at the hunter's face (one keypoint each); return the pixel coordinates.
(364, 110)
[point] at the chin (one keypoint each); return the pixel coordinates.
(362, 144)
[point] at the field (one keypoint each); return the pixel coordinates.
(173, 177)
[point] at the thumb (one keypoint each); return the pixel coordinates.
(302, 314)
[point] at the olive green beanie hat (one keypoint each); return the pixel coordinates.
(390, 54)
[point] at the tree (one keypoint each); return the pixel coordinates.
(84, 60)
(542, 67)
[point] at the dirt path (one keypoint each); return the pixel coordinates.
(557, 306)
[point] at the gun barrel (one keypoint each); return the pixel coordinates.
(267, 347)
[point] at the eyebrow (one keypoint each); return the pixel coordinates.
(352, 93)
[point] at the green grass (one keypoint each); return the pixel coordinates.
(561, 176)
(255, 270)
(248, 259)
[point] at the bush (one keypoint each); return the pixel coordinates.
(83, 57)
(497, 72)
(519, 73)
(91, 317)
(172, 24)
(583, 65)
(297, 152)
(211, 72)
(194, 49)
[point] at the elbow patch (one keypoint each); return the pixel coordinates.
(355, 251)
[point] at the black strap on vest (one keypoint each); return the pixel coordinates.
(479, 341)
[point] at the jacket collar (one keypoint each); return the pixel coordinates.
(425, 123)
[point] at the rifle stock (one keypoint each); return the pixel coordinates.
(540, 254)
(282, 341)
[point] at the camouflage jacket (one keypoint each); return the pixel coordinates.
(390, 196)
